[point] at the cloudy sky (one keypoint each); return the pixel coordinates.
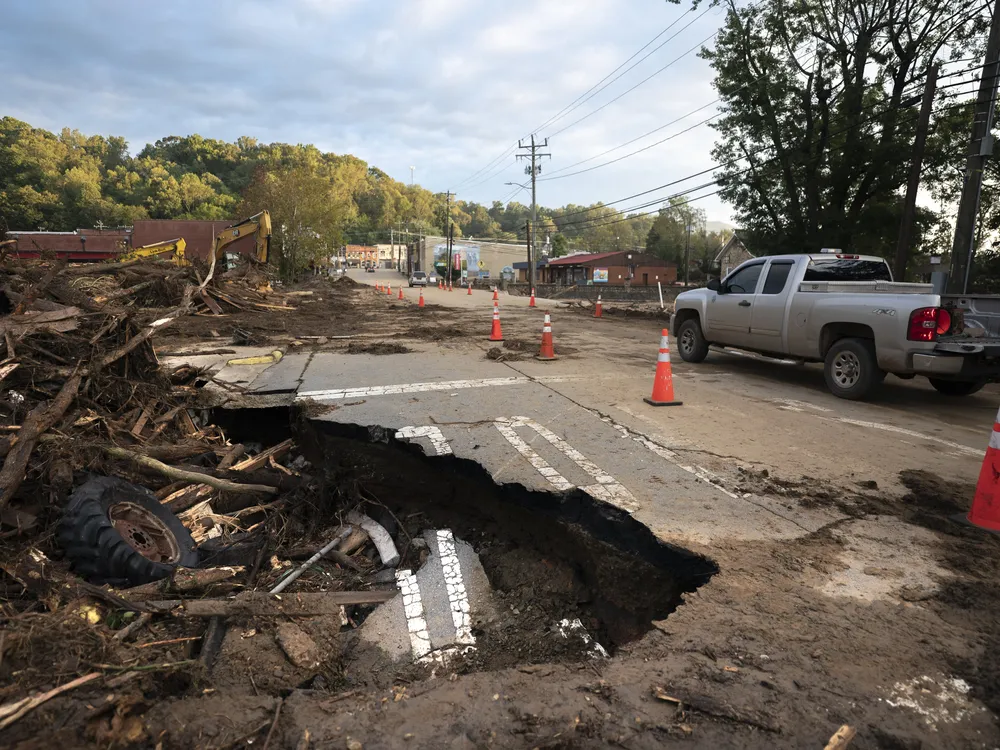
(447, 86)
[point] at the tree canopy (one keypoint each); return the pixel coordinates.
(65, 181)
(819, 114)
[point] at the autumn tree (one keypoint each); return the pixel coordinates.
(817, 119)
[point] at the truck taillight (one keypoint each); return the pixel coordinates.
(927, 323)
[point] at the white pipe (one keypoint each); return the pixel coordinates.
(382, 539)
(287, 581)
(660, 287)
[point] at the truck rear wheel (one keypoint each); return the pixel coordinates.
(691, 341)
(851, 369)
(957, 387)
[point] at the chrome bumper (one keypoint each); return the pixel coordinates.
(937, 364)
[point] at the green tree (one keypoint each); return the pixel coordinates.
(815, 135)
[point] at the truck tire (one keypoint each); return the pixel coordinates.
(118, 533)
(851, 369)
(957, 387)
(691, 341)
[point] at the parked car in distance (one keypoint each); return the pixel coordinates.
(419, 278)
(432, 278)
(370, 269)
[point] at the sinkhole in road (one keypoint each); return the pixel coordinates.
(548, 556)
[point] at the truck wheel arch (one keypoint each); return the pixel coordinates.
(683, 315)
(834, 332)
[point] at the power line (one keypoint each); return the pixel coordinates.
(629, 91)
(601, 221)
(588, 94)
(598, 88)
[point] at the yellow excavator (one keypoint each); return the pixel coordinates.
(176, 247)
(259, 225)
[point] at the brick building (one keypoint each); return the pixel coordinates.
(614, 269)
(360, 255)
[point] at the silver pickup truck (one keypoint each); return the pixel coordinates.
(845, 311)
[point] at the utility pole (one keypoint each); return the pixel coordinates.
(687, 257)
(534, 169)
(447, 230)
(980, 149)
(527, 241)
(910, 202)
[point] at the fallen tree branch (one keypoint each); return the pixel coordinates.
(40, 419)
(172, 472)
(258, 604)
(182, 581)
(11, 712)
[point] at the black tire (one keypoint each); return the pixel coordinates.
(851, 369)
(691, 341)
(957, 387)
(98, 551)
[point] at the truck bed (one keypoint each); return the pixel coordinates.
(865, 287)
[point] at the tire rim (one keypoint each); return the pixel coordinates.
(846, 369)
(145, 533)
(687, 342)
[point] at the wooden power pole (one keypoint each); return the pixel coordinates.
(980, 149)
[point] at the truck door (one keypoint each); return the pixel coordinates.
(730, 309)
(768, 316)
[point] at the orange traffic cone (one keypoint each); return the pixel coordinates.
(378, 286)
(531, 302)
(439, 283)
(400, 293)
(495, 332)
(597, 307)
(449, 286)
(663, 384)
(547, 353)
(388, 290)
(469, 293)
(985, 511)
(421, 303)
(496, 296)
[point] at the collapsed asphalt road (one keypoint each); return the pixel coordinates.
(845, 594)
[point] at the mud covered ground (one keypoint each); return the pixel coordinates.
(759, 656)
(887, 619)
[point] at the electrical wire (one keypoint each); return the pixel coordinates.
(630, 90)
(599, 88)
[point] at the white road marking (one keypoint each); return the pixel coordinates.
(413, 607)
(338, 394)
(556, 479)
(790, 404)
(958, 447)
(458, 598)
(365, 391)
(608, 489)
(437, 438)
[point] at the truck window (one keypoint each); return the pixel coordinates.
(744, 281)
(777, 277)
(842, 269)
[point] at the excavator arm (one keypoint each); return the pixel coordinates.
(259, 225)
(177, 247)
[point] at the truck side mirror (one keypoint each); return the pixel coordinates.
(714, 285)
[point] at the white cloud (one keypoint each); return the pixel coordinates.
(446, 85)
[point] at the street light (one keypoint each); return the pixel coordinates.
(411, 175)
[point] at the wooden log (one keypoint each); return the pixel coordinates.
(182, 581)
(40, 419)
(841, 738)
(172, 472)
(259, 604)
